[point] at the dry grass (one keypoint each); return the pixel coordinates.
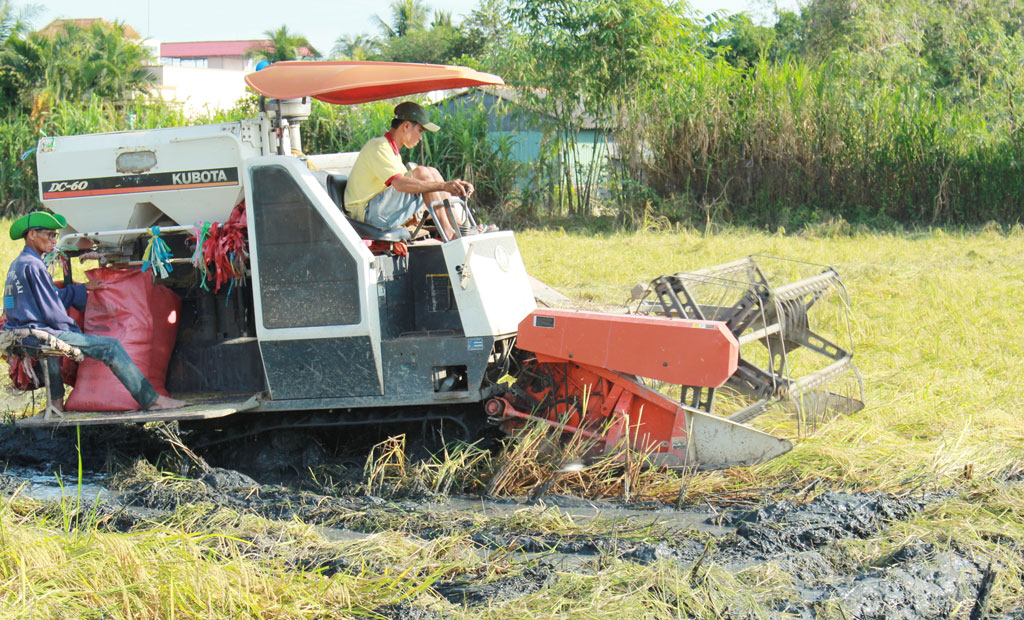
(935, 322)
(935, 325)
(224, 565)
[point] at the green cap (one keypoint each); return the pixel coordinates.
(410, 111)
(37, 219)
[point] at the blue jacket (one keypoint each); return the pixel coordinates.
(31, 299)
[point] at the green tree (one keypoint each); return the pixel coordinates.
(72, 64)
(485, 32)
(15, 21)
(439, 45)
(406, 16)
(965, 51)
(442, 19)
(21, 69)
(413, 36)
(410, 39)
(113, 67)
(284, 45)
(591, 59)
(744, 42)
(355, 47)
(829, 25)
(789, 34)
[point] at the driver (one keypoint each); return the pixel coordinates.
(383, 193)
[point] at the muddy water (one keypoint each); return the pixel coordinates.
(582, 512)
(561, 535)
(53, 487)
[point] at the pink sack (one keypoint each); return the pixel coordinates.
(144, 317)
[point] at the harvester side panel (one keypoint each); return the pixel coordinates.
(434, 306)
(320, 368)
(490, 284)
(410, 363)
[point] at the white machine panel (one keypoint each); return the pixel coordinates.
(133, 179)
(490, 283)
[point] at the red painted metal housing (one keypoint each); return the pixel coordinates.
(678, 351)
(575, 380)
(604, 406)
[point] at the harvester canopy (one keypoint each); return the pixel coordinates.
(351, 82)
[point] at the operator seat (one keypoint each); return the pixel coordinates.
(336, 190)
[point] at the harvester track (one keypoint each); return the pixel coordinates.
(462, 421)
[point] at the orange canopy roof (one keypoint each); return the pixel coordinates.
(359, 82)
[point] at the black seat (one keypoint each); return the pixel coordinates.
(336, 190)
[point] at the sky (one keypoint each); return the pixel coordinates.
(320, 21)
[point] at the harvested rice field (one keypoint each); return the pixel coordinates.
(911, 508)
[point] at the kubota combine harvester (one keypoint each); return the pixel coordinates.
(327, 322)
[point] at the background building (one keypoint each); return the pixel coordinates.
(204, 76)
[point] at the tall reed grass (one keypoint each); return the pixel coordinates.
(773, 145)
(792, 143)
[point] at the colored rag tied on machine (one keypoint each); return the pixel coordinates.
(221, 249)
(144, 316)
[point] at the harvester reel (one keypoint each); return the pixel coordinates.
(785, 366)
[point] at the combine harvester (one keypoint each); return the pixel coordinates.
(333, 324)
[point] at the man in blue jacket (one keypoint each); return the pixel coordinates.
(32, 301)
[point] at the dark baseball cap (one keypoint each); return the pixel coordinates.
(411, 111)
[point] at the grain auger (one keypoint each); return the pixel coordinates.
(784, 364)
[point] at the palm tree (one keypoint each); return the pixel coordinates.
(21, 70)
(442, 19)
(113, 66)
(15, 21)
(354, 47)
(407, 16)
(284, 45)
(73, 63)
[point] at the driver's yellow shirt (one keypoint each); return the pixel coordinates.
(376, 167)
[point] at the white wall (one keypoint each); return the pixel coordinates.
(199, 91)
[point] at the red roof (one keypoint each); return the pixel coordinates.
(211, 49)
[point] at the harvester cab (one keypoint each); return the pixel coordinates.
(316, 320)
